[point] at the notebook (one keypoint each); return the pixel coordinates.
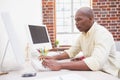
(72, 76)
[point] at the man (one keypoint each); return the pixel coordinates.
(96, 43)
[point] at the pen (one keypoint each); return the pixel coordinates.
(41, 51)
(44, 51)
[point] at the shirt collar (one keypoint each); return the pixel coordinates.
(90, 30)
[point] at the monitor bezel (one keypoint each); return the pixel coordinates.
(35, 46)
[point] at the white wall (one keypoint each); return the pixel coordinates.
(23, 12)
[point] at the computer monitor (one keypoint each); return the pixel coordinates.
(39, 36)
(12, 55)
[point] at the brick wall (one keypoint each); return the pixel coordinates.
(49, 18)
(107, 13)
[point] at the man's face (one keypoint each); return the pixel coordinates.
(83, 23)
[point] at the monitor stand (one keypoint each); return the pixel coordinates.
(4, 72)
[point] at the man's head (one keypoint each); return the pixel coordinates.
(84, 19)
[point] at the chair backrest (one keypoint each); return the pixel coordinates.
(117, 43)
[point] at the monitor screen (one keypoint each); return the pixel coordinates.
(39, 36)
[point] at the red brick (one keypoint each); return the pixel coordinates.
(112, 5)
(94, 3)
(112, 0)
(103, 6)
(102, 0)
(50, 3)
(114, 18)
(95, 0)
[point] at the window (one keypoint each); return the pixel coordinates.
(65, 24)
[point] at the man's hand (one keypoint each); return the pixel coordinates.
(52, 64)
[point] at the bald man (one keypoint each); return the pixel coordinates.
(95, 42)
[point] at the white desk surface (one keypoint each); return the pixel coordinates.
(89, 75)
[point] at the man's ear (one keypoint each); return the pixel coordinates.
(91, 18)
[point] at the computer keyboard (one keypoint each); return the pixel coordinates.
(37, 65)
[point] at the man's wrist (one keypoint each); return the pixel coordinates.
(55, 57)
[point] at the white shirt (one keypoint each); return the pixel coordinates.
(98, 47)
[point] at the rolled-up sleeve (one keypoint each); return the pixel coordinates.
(100, 52)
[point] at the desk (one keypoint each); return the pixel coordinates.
(90, 75)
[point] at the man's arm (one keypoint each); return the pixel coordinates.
(72, 65)
(75, 65)
(63, 55)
